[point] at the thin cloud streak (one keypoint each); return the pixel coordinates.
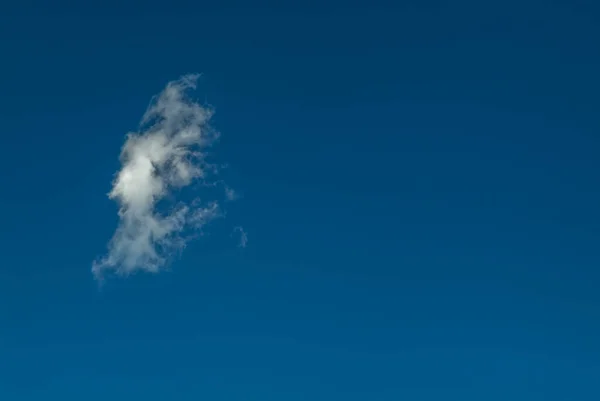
(243, 241)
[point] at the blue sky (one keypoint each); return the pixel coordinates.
(419, 184)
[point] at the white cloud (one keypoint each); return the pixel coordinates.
(168, 153)
(243, 236)
(231, 194)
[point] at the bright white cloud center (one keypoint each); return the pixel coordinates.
(168, 153)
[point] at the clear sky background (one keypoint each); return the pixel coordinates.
(420, 188)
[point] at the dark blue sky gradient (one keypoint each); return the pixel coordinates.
(420, 190)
